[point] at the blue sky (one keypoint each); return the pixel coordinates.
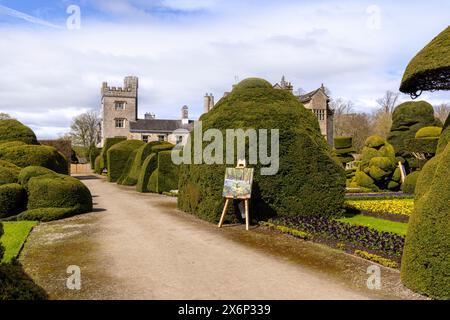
(181, 49)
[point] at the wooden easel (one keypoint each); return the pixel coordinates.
(240, 165)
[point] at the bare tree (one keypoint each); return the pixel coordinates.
(388, 102)
(381, 123)
(85, 129)
(442, 111)
(4, 116)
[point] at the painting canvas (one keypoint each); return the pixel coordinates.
(238, 183)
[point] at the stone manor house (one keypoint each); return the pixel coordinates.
(120, 114)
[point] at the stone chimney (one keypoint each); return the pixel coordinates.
(206, 103)
(185, 115)
(211, 101)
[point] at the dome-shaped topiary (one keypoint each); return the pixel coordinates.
(13, 130)
(118, 156)
(425, 264)
(33, 171)
(35, 155)
(8, 172)
(409, 185)
(308, 182)
(58, 191)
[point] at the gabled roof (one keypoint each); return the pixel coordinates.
(305, 98)
(158, 125)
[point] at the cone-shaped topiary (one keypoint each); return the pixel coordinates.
(425, 264)
(118, 156)
(308, 182)
(13, 130)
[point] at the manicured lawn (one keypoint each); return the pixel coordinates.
(15, 234)
(377, 223)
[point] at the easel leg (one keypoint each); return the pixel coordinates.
(222, 217)
(247, 216)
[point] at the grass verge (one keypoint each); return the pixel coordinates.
(15, 234)
(376, 223)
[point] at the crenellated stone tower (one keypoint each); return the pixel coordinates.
(119, 108)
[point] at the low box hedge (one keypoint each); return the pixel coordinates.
(45, 214)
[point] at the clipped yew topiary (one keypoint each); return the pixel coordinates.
(94, 152)
(35, 155)
(409, 185)
(9, 172)
(165, 177)
(2, 249)
(13, 130)
(150, 164)
(377, 163)
(118, 156)
(131, 173)
(425, 264)
(308, 182)
(109, 142)
(12, 199)
(60, 191)
(408, 118)
(444, 138)
(46, 214)
(33, 171)
(343, 149)
(98, 169)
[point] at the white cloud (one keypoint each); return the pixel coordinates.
(49, 76)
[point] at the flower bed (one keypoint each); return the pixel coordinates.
(398, 206)
(385, 243)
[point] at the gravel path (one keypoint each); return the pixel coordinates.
(138, 246)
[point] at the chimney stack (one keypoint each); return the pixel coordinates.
(185, 115)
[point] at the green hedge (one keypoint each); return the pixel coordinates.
(36, 155)
(60, 191)
(309, 181)
(2, 249)
(33, 171)
(98, 169)
(165, 177)
(374, 141)
(426, 260)
(124, 179)
(109, 142)
(131, 173)
(118, 155)
(444, 139)
(15, 284)
(428, 132)
(422, 145)
(9, 172)
(150, 164)
(94, 152)
(409, 185)
(45, 214)
(13, 130)
(343, 142)
(12, 199)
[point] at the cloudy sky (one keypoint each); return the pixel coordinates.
(181, 49)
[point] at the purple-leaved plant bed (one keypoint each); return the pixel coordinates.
(386, 243)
